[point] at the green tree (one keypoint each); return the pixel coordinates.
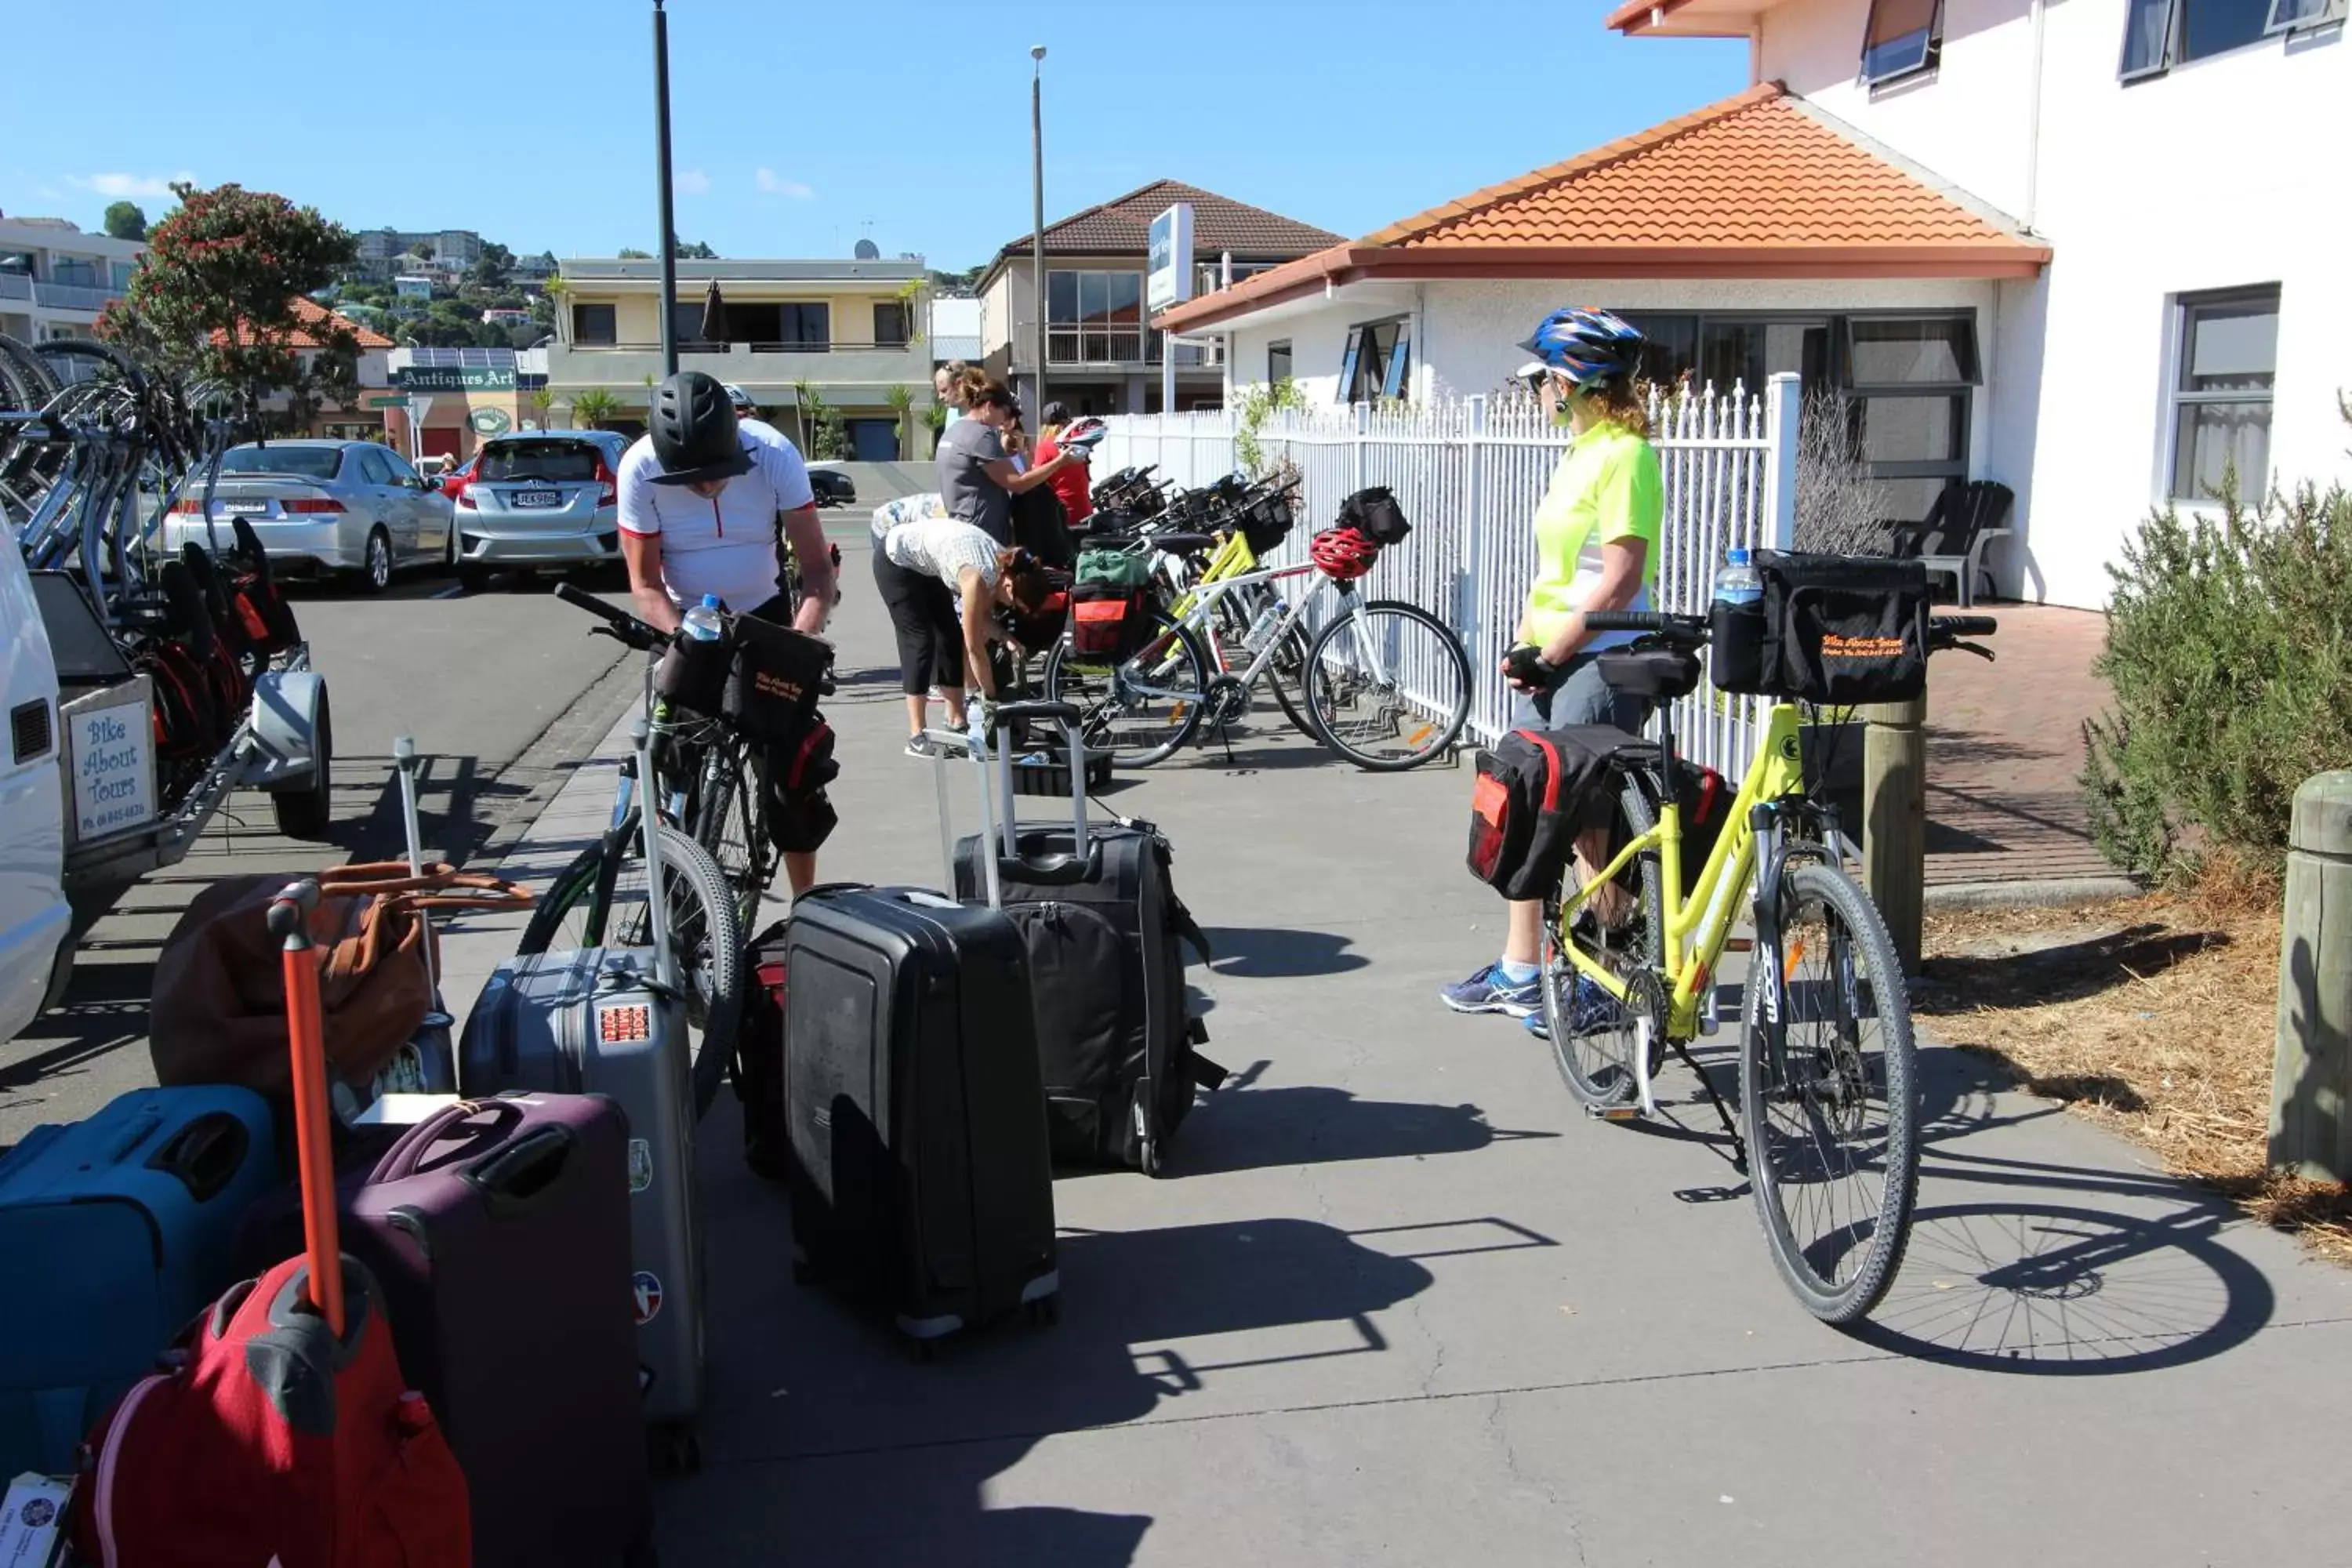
(631, 253)
(124, 220)
(901, 399)
(490, 269)
(542, 399)
(696, 251)
(215, 301)
(592, 408)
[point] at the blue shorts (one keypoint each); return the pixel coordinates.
(1578, 696)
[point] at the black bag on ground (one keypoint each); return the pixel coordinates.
(1536, 790)
(1373, 513)
(759, 1068)
(1834, 629)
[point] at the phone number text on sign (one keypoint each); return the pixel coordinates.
(114, 772)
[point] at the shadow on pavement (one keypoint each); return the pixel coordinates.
(899, 1467)
(1279, 953)
(1243, 1128)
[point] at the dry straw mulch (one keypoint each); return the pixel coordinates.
(2154, 1016)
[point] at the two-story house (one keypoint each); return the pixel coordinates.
(363, 418)
(2061, 246)
(1099, 359)
(851, 331)
(54, 279)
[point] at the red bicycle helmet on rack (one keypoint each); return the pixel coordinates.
(1343, 553)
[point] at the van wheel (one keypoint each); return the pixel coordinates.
(304, 813)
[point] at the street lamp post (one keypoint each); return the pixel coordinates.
(1037, 208)
(661, 153)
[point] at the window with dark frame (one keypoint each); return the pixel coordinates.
(2161, 34)
(1277, 361)
(593, 326)
(890, 323)
(2228, 359)
(1901, 38)
(1377, 363)
(1094, 318)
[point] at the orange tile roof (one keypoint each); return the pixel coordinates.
(308, 313)
(1756, 186)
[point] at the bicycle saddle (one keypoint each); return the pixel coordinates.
(1661, 674)
(1185, 544)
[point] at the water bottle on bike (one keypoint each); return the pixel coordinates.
(702, 623)
(1736, 623)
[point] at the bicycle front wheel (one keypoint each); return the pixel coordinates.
(1595, 1041)
(1141, 711)
(1387, 686)
(599, 900)
(727, 820)
(1830, 1121)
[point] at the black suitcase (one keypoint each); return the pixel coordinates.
(1106, 935)
(920, 1177)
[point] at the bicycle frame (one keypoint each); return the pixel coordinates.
(1695, 930)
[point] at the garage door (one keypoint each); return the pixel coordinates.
(443, 440)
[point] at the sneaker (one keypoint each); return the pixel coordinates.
(1593, 1011)
(1488, 991)
(922, 746)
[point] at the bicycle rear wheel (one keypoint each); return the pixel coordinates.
(1832, 1127)
(1142, 710)
(599, 900)
(1597, 1062)
(1387, 685)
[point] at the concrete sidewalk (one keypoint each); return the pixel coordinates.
(1398, 1302)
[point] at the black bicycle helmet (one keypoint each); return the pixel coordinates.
(694, 431)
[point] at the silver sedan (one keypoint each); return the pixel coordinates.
(354, 508)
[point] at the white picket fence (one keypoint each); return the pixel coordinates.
(1469, 474)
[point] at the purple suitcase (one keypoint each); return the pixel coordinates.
(500, 1231)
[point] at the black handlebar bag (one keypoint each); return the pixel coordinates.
(1831, 630)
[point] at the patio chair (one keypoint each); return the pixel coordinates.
(1950, 541)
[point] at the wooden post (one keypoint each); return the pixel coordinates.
(1895, 819)
(2311, 1075)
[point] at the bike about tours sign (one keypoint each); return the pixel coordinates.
(455, 378)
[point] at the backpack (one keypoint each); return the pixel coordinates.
(1536, 790)
(1041, 525)
(272, 1441)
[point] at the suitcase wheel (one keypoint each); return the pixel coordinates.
(675, 1449)
(1044, 1312)
(1149, 1157)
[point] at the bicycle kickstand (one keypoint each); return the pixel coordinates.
(1730, 1128)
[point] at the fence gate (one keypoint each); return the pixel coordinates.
(1470, 472)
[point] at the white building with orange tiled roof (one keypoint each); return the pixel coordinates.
(2096, 301)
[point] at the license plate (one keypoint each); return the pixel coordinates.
(244, 508)
(539, 498)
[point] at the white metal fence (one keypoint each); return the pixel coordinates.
(1470, 473)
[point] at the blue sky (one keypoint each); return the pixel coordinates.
(801, 128)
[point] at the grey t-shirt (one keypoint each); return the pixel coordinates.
(966, 448)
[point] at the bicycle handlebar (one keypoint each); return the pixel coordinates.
(1963, 625)
(620, 623)
(1641, 621)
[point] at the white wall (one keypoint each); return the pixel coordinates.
(2222, 172)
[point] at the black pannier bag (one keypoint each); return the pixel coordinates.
(774, 676)
(1536, 790)
(1267, 522)
(1374, 513)
(692, 675)
(1831, 630)
(1109, 624)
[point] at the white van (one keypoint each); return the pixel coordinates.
(34, 915)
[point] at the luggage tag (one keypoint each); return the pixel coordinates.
(32, 1521)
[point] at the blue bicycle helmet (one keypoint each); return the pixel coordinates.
(1588, 347)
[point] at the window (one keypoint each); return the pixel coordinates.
(2221, 394)
(2160, 34)
(593, 325)
(1908, 380)
(1277, 361)
(373, 468)
(1901, 37)
(397, 465)
(805, 327)
(1378, 362)
(890, 323)
(1094, 318)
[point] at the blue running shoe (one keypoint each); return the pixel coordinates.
(1593, 1011)
(1488, 991)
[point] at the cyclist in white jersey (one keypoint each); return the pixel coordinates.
(801, 529)
(700, 500)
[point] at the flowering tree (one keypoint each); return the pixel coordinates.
(215, 300)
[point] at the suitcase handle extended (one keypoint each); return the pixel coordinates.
(406, 1155)
(307, 1037)
(1008, 862)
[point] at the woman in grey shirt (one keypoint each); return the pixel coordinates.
(977, 480)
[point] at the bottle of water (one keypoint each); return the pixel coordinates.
(1737, 582)
(701, 624)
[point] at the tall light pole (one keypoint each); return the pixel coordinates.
(1037, 209)
(669, 235)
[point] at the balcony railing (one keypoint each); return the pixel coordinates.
(711, 346)
(1078, 347)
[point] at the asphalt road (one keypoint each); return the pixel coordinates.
(480, 681)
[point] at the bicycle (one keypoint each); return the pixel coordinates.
(1817, 1110)
(601, 897)
(1378, 671)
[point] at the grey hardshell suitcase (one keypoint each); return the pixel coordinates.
(595, 1021)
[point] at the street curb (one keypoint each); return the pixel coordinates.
(2053, 893)
(550, 761)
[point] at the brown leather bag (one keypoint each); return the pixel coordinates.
(219, 998)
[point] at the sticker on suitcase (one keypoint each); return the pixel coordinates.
(641, 1165)
(624, 1024)
(648, 1290)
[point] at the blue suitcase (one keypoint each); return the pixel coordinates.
(117, 1231)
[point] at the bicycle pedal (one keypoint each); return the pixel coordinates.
(1614, 1112)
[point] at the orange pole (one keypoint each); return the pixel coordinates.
(306, 1033)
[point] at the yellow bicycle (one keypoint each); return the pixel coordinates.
(1827, 1087)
